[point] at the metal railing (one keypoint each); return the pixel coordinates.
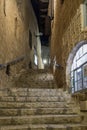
(13, 62)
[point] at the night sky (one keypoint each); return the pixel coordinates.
(44, 38)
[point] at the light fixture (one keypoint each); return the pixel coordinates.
(45, 61)
(39, 34)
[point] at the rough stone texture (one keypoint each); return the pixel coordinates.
(17, 18)
(32, 79)
(12, 44)
(38, 108)
(43, 127)
(66, 34)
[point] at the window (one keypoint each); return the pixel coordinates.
(8, 70)
(85, 76)
(62, 1)
(35, 59)
(51, 9)
(84, 14)
(35, 56)
(30, 40)
(16, 22)
(79, 70)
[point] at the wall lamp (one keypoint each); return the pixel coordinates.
(56, 64)
(59, 66)
(38, 34)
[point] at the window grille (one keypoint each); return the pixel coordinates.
(79, 70)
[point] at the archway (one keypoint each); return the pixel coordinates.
(70, 62)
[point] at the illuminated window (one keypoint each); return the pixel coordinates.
(79, 70)
(84, 13)
(35, 59)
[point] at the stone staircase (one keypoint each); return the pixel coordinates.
(44, 107)
(33, 79)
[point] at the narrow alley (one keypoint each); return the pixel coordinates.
(43, 65)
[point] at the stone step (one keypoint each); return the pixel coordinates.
(20, 89)
(36, 84)
(34, 99)
(37, 94)
(4, 93)
(37, 71)
(8, 98)
(46, 93)
(33, 81)
(43, 99)
(39, 111)
(37, 90)
(45, 127)
(32, 92)
(36, 105)
(40, 119)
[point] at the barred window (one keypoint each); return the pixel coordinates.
(79, 70)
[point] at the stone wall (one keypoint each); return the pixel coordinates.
(12, 31)
(66, 34)
(16, 20)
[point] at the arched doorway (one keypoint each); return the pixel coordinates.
(76, 71)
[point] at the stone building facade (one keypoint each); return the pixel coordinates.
(67, 32)
(18, 27)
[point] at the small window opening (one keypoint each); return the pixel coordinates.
(30, 65)
(62, 1)
(8, 70)
(30, 40)
(16, 21)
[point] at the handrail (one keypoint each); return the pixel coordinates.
(15, 61)
(59, 66)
